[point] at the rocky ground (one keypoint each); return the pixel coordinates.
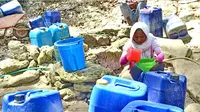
(100, 23)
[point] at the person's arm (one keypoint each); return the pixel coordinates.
(158, 51)
(123, 60)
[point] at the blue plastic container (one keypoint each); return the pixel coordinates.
(72, 54)
(12, 7)
(51, 17)
(163, 87)
(32, 101)
(116, 95)
(41, 36)
(152, 17)
(60, 31)
(36, 22)
(146, 106)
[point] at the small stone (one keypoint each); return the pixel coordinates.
(67, 94)
(83, 87)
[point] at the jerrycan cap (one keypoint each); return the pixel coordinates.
(174, 77)
(19, 98)
(42, 28)
(102, 82)
(61, 26)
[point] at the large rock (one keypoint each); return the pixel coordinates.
(103, 36)
(84, 87)
(18, 50)
(90, 40)
(33, 52)
(109, 58)
(91, 73)
(191, 70)
(91, 55)
(194, 107)
(94, 40)
(174, 48)
(11, 65)
(66, 91)
(119, 43)
(103, 40)
(46, 54)
(25, 78)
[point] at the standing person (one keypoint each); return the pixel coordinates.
(131, 9)
(140, 38)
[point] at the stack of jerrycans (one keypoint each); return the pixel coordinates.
(60, 31)
(166, 88)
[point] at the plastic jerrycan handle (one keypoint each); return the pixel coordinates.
(143, 109)
(127, 86)
(165, 74)
(162, 72)
(32, 92)
(43, 28)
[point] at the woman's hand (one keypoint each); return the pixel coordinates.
(160, 57)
